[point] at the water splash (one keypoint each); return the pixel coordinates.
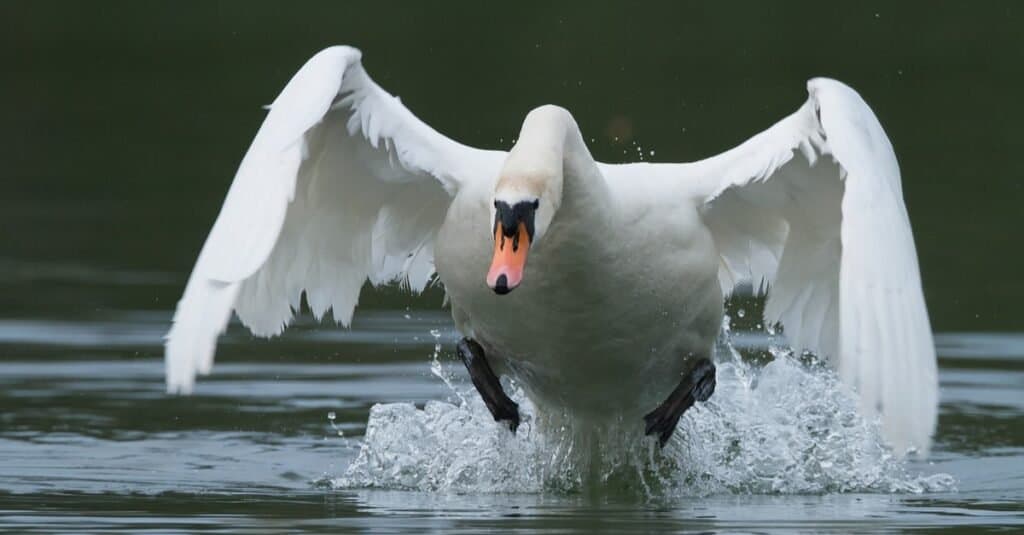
(789, 426)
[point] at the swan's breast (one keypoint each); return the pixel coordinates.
(623, 310)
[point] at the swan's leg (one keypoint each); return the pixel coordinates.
(487, 383)
(697, 385)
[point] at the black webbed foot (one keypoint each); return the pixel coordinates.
(698, 385)
(487, 383)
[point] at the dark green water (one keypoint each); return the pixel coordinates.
(122, 125)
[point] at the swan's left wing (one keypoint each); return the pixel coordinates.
(341, 185)
(812, 210)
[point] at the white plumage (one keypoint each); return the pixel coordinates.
(342, 184)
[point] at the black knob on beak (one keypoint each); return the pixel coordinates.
(501, 285)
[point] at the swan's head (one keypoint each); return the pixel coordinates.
(527, 194)
(524, 204)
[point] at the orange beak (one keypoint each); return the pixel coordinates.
(509, 259)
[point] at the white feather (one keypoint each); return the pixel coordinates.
(341, 184)
(833, 239)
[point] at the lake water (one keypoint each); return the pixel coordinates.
(124, 123)
(277, 440)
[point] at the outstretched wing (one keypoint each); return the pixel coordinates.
(341, 184)
(813, 209)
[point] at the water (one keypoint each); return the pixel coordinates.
(89, 441)
(125, 120)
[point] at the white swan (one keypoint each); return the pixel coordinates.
(627, 264)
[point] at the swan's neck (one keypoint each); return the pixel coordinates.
(551, 160)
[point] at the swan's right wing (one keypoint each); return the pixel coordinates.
(341, 185)
(813, 209)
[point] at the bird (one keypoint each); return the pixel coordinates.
(599, 288)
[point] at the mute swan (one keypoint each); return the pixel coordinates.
(599, 287)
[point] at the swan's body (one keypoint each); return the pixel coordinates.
(581, 333)
(628, 264)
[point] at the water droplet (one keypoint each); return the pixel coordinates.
(741, 313)
(331, 416)
(407, 316)
(652, 153)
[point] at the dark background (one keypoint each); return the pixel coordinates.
(122, 123)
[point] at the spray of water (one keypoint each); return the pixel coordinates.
(788, 426)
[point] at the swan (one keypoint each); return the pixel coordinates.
(598, 287)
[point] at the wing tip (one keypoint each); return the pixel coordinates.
(348, 53)
(180, 388)
(823, 83)
(822, 88)
(908, 414)
(179, 370)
